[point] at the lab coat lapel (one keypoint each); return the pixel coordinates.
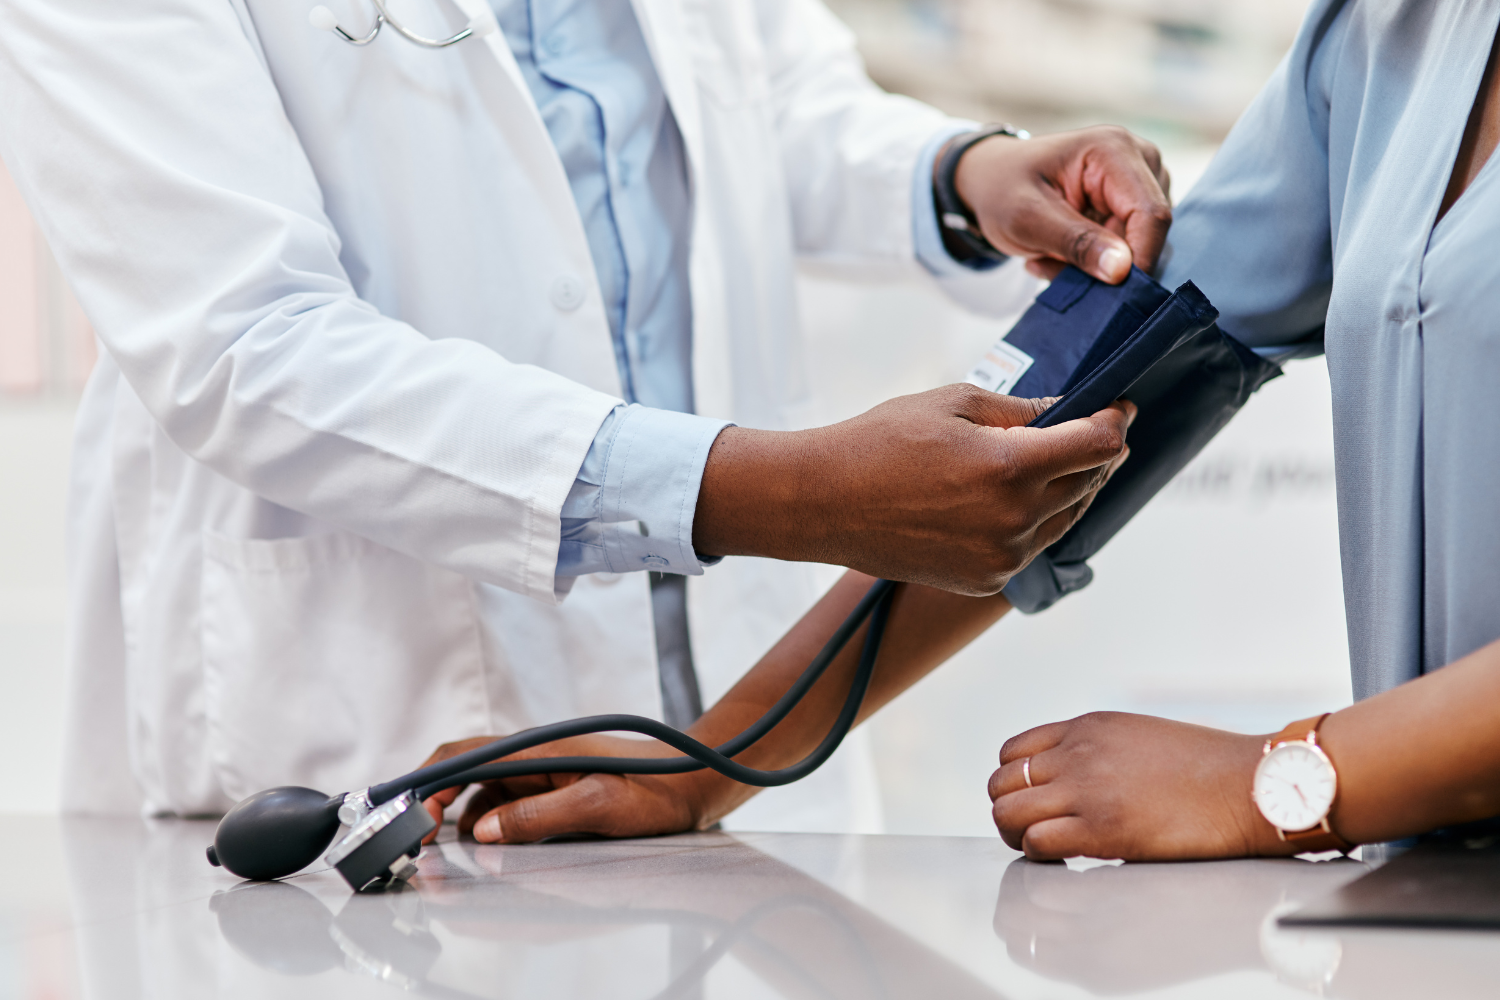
(666, 37)
(662, 25)
(521, 121)
(482, 19)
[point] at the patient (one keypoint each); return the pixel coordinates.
(1352, 212)
(1350, 205)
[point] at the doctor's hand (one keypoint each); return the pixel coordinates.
(947, 488)
(1095, 198)
(526, 809)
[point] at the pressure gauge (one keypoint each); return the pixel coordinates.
(383, 846)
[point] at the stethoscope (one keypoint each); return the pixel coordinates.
(479, 25)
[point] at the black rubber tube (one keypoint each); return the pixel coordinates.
(699, 755)
(476, 765)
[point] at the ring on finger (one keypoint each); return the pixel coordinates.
(1026, 772)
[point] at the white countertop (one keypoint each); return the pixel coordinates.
(114, 908)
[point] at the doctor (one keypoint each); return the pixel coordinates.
(402, 346)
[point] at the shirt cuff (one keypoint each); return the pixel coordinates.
(632, 505)
(926, 238)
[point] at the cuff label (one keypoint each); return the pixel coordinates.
(1001, 368)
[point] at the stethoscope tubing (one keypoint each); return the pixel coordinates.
(480, 764)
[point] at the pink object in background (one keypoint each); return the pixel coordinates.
(46, 343)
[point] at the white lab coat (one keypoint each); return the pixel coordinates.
(348, 379)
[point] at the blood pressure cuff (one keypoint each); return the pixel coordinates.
(1092, 343)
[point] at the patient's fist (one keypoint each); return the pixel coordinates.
(1112, 785)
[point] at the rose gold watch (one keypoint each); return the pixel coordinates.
(1295, 787)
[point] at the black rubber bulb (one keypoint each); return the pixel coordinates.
(275, 832)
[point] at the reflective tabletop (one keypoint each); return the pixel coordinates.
(118, 908)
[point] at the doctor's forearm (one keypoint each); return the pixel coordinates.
(926, 627)
(947, 488)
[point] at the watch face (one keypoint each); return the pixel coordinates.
(1294, 786)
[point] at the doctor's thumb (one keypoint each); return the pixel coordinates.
(1048, 230)
(570, 809)
(1093, 249)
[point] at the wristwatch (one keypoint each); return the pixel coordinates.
(957, 224)
(1295, 787)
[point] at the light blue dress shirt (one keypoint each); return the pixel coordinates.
(590, 71)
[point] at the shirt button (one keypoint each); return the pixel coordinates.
(555, 43)
(567, 292)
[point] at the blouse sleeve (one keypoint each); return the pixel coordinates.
(1255, 234)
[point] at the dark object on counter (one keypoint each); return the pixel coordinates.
(383, 846)
(276, 832)
(1440, 883)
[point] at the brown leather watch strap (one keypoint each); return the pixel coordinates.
(1303, 729)
(1320, 837)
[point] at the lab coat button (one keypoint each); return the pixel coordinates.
(567, 293)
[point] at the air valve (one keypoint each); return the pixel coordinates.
(383, 846)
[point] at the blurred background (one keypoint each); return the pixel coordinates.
(1220, 604)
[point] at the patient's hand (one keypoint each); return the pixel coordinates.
(530, 808)
(1112, 785)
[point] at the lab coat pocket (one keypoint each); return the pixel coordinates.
(333, 662)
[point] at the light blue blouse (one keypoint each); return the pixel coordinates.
(1315, 225)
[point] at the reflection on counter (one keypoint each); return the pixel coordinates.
(680, 918)
(121, 909)
(1142, 928)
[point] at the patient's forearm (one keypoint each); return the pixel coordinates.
(1420, 756)
(925, 627)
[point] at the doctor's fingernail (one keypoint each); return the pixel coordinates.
(487, 830)
(1114, 261)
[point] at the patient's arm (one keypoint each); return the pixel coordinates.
(1418, 757)
(926, 626)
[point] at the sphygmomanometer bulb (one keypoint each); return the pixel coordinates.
(276, 832)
